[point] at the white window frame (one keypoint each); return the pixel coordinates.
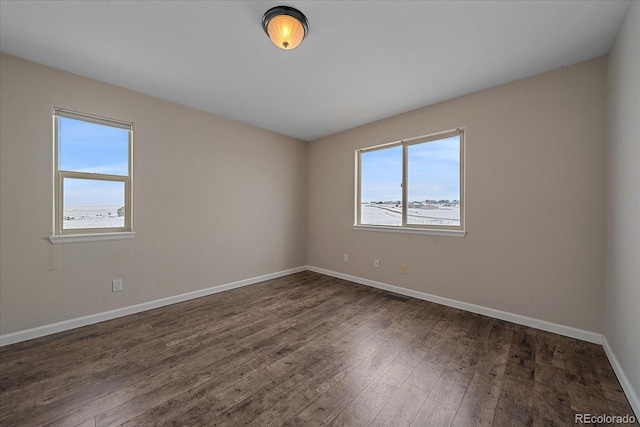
(442, 230)
(77, 235)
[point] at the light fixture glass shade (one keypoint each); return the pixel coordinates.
(285, 31)
(285, 26)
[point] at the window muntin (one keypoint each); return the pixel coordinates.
(429, 178)
(92, 174)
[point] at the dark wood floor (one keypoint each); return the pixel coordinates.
(305, 349)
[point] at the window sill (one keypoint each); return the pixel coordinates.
(95, 237)
(407, 230)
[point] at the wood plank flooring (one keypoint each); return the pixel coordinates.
(305, 350)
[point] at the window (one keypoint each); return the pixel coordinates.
(414, 185)
(93, 171)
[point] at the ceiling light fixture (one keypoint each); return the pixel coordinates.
(285, 26)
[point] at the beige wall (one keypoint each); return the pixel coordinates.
(535, 192)
(216, 201)
(622, 285)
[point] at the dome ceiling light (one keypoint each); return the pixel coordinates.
(285, 26)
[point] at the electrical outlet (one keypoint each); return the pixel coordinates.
(403, 269)
(116, 285)
(376, 263)
(346, 257)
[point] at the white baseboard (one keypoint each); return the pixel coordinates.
(65, 325)
(568, 331)
(629, 391)
(125, 311)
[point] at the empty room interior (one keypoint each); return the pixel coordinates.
(356, 213)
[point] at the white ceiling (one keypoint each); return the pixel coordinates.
(362, 60)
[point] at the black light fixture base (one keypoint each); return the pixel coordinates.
(285, 10)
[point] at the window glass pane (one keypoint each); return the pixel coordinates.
(433, 182)
(381, 186)
(93, 148)
(90, 203)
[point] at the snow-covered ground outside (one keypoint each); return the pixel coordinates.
(92, 217)
(76, 217)
(391, 214)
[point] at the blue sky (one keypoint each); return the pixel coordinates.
(381, 175)
(433, 172)
(433, 167)
(89, 147)
(84, 192)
